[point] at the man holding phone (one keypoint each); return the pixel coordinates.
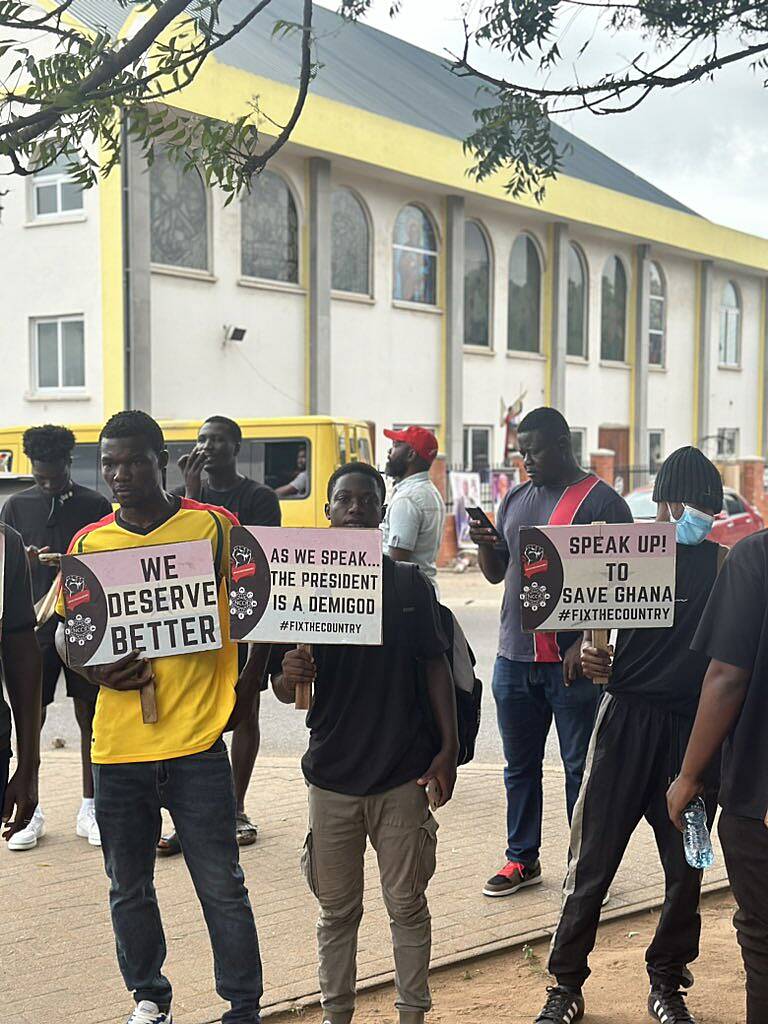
(383, 744)
(538, 677)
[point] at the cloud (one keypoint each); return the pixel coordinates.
(705, 144)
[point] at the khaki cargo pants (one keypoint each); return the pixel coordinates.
(404, 835)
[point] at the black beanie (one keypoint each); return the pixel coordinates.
(688, 477)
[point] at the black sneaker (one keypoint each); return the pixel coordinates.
(513, 876)
(563, 1006)
(668, 1006)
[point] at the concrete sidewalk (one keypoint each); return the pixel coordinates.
(57, 960)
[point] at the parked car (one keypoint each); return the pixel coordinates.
(737, 520)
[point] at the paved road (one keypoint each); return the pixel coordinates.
(475, 603)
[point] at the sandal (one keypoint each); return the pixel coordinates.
(245, 830)
(168, 846)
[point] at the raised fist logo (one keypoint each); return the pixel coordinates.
(76, 591)
(533, 553)
(535, 562)
(242, 562)
(240, 555)
(74, 585)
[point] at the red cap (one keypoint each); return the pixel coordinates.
(423, 441)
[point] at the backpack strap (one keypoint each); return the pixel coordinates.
(219, 545)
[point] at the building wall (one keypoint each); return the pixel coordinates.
(194, 373)
(734, 391)
(388, 360)
(670, 388)
(48, 269)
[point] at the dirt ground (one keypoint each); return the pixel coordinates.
(509, 987)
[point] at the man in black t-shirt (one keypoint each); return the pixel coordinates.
(382, 729)
(733, 712)
(48, 516)
(215, 454)
(637, 745)
(21, 674)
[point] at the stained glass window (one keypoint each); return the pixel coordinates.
(576, 344)
(415, 257)
(270, 230)
(524, 299)
(613, 312)
(178, 215)
(350, 244)
(657, 297)
(477, 286)
(730, 327)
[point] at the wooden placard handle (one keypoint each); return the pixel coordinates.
(600, 636)
(148, 703)
(304, 690)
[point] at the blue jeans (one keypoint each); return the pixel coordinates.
(198, 792)
(527, 697)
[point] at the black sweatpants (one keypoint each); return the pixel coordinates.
(626, 778)
(745, 845)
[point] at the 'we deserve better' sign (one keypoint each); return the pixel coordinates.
(160, 600)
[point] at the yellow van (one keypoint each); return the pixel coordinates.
(269, 453)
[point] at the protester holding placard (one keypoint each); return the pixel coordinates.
(218, 445)
(644, 720)
(383, 732)
(48, 516)
(21, 673)
(538, 676)
(180, 762)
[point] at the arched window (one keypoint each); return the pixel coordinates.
(350, 244)
(524, 296)
(477, 286)
(613, 312)
(269, 231)
(415, 257)
(730, 326)
(576, 344)
(657, 300)
(178, 204)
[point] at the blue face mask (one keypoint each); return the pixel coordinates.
(693, 526)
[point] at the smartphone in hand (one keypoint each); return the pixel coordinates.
(479, 518)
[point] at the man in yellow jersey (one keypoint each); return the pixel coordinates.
(180, 762)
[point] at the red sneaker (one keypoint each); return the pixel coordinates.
(513, 876)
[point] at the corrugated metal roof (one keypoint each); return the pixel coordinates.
(374, 71)
(101, 13)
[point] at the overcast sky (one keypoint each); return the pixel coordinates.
(706, 144)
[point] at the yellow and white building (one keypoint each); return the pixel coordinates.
(374, 278)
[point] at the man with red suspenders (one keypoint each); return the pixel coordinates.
(537, 677)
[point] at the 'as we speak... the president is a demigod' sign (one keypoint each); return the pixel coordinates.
(597, 577)
(161, 600)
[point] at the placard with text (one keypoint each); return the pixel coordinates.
(296, 585)
(161, 600)
(597, 577)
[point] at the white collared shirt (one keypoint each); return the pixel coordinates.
(414, 522)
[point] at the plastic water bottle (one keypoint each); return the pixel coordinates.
(696, 841)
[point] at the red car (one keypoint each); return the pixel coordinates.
(738, 518)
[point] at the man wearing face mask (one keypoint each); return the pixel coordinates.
(637, 747)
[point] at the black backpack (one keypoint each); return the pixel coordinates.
(467, 687)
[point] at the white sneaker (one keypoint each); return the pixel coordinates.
(27, 838)
(86, 818)
(94, 836)
(149, 1013)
